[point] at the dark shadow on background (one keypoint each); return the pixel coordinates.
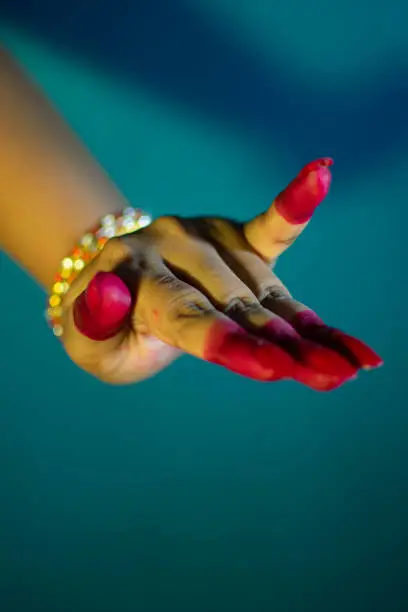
(169, 49)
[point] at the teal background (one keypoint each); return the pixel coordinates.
(199, 491)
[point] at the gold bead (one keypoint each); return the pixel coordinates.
(58, 288)
(54, 313)
(129, 224)
(54, 300)
(67, 263)
(58, 330)
(66, 273)
(109, 231)
(144, 221)
(108, 220)
(87, 240)
(79, 264)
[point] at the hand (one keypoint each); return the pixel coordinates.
(205, 286)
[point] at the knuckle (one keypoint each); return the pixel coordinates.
(168, 225)
(116, 249)
(130, 253)
(181, 300)
(175, 298)
(245, 304)
(275, 292)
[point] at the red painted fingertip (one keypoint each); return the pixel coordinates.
(297, 203)
(323, 361)
(230, 346)
(364, 354)
(308, 322)
(323, 162)
(102, 309)
(327, 361)
(318, 381)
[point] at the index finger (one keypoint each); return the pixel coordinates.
(275, 230)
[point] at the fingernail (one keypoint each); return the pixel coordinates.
(101, 310)
(326, 361)
(231, 347)
(297, 203)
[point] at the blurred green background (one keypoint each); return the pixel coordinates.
(199, 491)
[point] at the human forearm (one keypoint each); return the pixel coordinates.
(51, 189)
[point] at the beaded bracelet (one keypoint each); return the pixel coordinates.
(90, 245)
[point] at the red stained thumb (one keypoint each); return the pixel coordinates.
(297, 203)
(102, 309)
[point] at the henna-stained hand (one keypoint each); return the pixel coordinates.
(205, 286)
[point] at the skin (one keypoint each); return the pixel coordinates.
(203, 286)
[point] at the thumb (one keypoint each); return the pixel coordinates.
(297, 203)
(273, 231)
(102, 309)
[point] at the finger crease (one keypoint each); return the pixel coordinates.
(240, 304)
(275, 293)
